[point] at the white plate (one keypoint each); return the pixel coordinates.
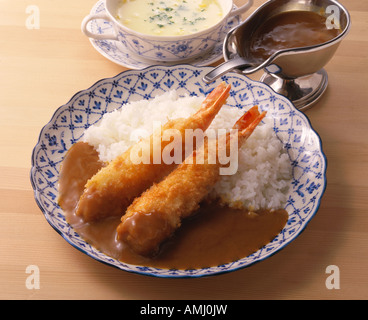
(87, 107)
(116, 52)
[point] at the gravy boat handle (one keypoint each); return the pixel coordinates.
(227, 66)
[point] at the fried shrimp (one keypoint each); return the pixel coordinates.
(113, 188)
(157, 213)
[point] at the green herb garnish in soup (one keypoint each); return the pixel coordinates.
(169, 17)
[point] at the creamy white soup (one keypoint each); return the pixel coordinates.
(169, 17)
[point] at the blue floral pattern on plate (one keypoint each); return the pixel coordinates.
(87, 107)
(117, 53)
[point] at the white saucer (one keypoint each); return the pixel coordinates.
(116, 52)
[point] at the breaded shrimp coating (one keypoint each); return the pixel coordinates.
(157, 213)
(113, 188)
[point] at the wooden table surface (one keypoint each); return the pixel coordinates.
(41, 69)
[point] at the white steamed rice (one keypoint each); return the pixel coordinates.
(264, 172)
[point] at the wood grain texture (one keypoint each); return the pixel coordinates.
(42, 69)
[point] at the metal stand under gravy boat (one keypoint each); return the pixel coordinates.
(295, 72)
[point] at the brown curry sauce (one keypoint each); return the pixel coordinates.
(215, 235)
(289, 30)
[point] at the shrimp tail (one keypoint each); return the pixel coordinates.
(248, 117)
(248, 122)
(211, 105)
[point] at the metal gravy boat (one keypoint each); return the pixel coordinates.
(296, 73)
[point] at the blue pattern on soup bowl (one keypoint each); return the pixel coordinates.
(87, 107)
(163, 48)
